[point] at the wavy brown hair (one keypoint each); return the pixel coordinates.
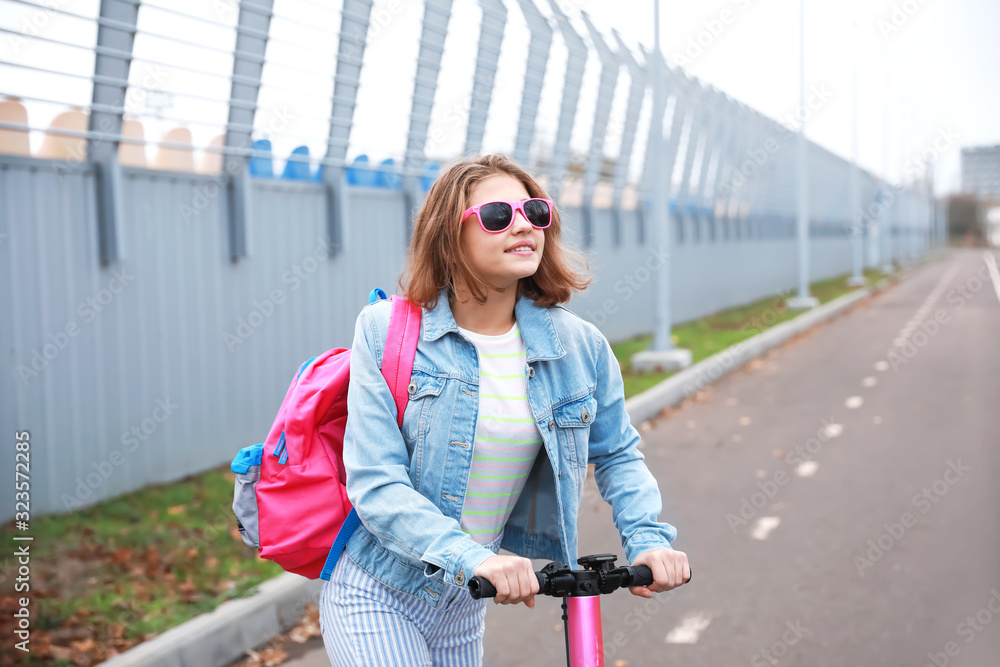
(435, 258)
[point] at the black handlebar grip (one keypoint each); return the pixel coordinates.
(643, 576)
(480, 587)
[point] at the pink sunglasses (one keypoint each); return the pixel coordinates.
(496, 216)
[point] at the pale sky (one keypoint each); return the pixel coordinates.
(944, 70)
(944, 67)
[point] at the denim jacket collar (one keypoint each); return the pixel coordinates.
(540, 338)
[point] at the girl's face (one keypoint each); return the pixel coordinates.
(492, 254)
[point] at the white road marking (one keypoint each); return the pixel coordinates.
(689, 629)
(764, 525)
(869, 382)
(807, 469)
(854, 402)
(881, 365)
(925, 308)
(833, 430)
(991, 264)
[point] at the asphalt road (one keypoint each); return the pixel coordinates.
(839, 500)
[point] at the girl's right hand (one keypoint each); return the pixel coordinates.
(512, 576)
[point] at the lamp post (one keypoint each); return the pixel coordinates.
(858, 233)
(803, 300)
(662, 355)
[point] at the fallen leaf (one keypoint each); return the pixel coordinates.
(84, 645)
(176, 509)
(61, 652)
(122, 555)
(272, 656)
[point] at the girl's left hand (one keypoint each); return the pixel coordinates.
(670, 569)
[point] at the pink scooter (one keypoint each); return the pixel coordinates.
(581, 592)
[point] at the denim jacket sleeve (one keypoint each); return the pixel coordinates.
(619, 467)
(377, 465)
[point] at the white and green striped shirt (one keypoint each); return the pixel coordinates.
(507, 439)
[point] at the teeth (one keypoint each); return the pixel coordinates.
(521, 249)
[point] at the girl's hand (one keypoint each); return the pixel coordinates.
(670, 569)
(512, 576)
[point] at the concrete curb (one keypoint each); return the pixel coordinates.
(223, 635)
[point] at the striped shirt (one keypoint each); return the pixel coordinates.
(507, 439)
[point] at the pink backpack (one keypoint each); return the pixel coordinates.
(290, 498)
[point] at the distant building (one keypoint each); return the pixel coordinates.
(981, 172)
(981, 178)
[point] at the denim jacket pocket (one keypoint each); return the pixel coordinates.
(423, 391)
(573, 420)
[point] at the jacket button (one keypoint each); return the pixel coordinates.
(460, 578)
(552, 425)
(531, 371)
(586, 416)
(412, 389)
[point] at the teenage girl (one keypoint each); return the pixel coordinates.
(511, 397)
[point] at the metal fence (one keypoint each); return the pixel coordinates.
(155, 308)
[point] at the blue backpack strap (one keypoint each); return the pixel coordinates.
(351, 523)
(376, 294)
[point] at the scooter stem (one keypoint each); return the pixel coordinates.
(585, 642)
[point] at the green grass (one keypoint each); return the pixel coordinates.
(114, 574)
(713, 333)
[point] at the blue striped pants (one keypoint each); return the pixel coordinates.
(367, 624)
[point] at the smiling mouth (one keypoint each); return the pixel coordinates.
(522, 250)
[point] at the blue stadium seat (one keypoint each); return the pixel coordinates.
(359, 173)
(262, 166)
(296, 170)
(431, 171)
(387, 179)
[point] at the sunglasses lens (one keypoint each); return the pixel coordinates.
(537, 212)
(496, 217)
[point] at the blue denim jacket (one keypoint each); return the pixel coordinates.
(408, 485)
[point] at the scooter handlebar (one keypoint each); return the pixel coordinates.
(637, 575)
